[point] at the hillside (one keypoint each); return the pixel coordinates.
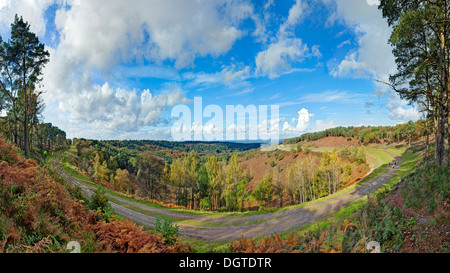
(366, 135)
(406, 210)
(39, 212)
(279, 163)
(167, 150)
(409, 213)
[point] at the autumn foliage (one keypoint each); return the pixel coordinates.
(328, 240)
(271, 244)
(125, 236)
(38, 214)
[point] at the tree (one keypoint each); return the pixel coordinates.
(421, 48)
(263, 193)
(410, 129)
(203, 187)
(242, 192)
(150, 171)
(22, 59)
(217, 179)
(234, 175)
(101, 171)
(122, 180)
(177, 176)
(290, 179)
(192, 166)
(278, 186)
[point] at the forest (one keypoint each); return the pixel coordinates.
(41, 212)
(217, 182)
(371, 134)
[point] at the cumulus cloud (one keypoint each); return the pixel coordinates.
(156, 30)
(303, 122)
(120, 110)
(286, 48)
(279, 56)
(373, 33)
(398, 111)
(31, 11)
(95, 37)
(234, 74)
(373, 58)
(402, 114)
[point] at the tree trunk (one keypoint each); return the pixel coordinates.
(443, 116)
(427, 141)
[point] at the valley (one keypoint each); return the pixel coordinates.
(216, 226)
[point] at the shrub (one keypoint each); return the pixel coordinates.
(99, 200)
(100, 203)
(427, 188)
(306, 150)
(127, 237)
(167, 229)
(205, 203)
(264, 192)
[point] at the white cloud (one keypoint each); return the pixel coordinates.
(95, 37)
(296, 14)
(374, 55)
(402, 114)
(31, 11)
(373, 2)
(236, 75)
(119, 110)
(303, 121)
(347, 42)
(233, 76)
(322, 125)
(351, 66)
(286, 48)
(279, 56)
(331, 96)
(315, 51)
(98, 33)
(397, 110)
(373, 58)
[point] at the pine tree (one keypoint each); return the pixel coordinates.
(22, 59)
(422, 50)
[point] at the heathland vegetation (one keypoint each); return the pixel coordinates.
(41, 212)
(218, 183)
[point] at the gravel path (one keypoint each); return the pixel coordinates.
(228, 228)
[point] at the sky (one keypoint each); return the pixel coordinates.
(117, 68)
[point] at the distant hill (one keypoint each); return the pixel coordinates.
(168, 150)
(369, 134)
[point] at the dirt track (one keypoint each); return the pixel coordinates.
(224, 228)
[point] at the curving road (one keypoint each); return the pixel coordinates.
(227, 228)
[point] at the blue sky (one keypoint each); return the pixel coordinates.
(118, 67)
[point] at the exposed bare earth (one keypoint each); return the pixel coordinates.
(224, 228)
